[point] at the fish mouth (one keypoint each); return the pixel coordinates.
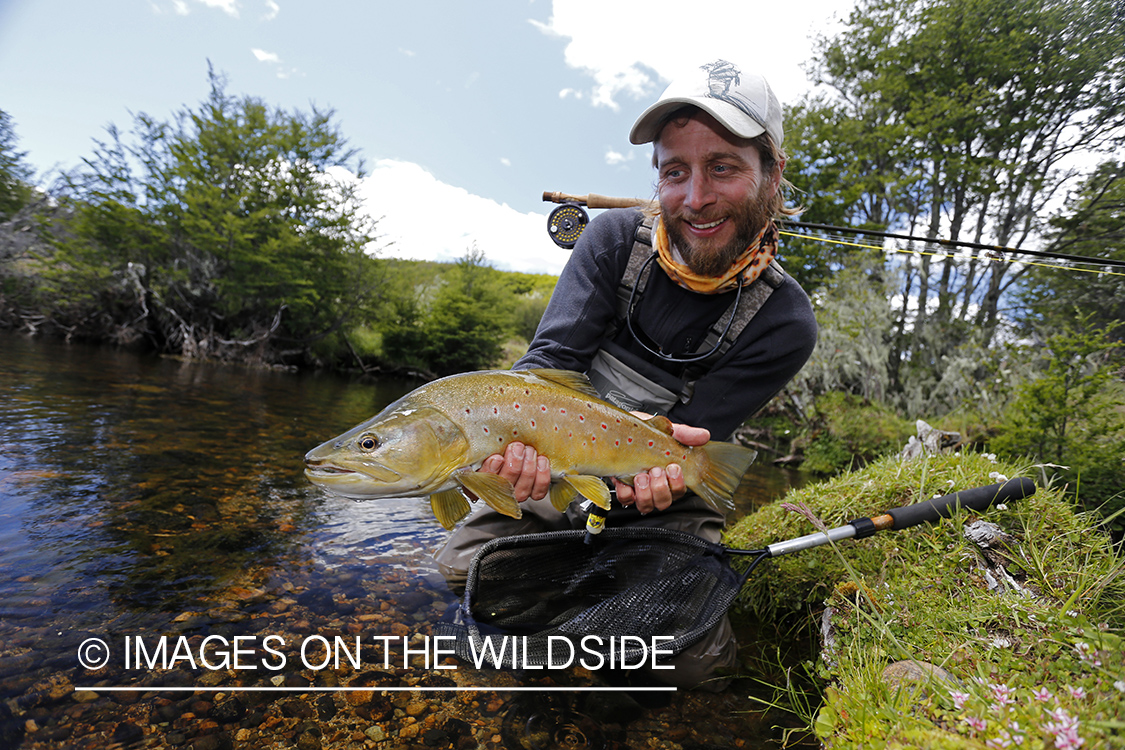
(326, 472)
(334, 475)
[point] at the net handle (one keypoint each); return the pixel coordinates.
(927, 511)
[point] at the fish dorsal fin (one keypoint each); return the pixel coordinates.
(496, 491)
(449, 506)
(569, 378)
(661, 423)
(592, 488)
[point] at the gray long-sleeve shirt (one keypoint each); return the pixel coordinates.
(767, 354)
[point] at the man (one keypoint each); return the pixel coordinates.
(683, 312)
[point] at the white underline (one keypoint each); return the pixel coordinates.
(376, 689)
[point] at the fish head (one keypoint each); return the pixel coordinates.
(401, 452)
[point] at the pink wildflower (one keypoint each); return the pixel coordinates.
(1065, 729)
(1042, 695)
(977, 725)
(1003, 695)
(1078, 693)
(959, 699)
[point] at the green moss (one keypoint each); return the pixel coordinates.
(924, 594)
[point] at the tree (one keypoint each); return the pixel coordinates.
(15, 174)
(958, 116)
(1072, 414)
(1093, 226)
(233, 228)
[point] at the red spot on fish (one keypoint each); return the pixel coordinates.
(517, 406)
(651, 443)
(533, 423)
(618, 421)
(562, 411)
(495, 410)
(629, 439)
(581, 418)
(543, 408)
(485, 430)
(515, 432)
(667, 453)
(617, 442)
(605, 426)
(468, 411)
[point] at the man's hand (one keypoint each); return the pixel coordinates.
(529, 473)
(656, 488)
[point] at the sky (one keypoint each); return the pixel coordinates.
(465, 112)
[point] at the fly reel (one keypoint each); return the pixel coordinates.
(565, 224)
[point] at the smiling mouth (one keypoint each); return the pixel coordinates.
(705, 226)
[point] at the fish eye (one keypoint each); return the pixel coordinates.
(368, 443)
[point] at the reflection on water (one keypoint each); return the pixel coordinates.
(140, 475)
(141, 495)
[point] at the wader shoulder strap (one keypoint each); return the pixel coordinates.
(640, 252)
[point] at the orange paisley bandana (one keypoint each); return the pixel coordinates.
(748, 266)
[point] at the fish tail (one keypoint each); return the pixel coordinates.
(722, 470)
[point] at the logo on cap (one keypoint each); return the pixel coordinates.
(722, 76)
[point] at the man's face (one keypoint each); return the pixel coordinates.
(713, 193)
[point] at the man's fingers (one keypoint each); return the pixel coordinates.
(689, 435)
(524, 481)
(542, 478)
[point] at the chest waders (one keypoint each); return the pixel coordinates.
(633, 384)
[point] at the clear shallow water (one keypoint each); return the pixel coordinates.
(148, 496)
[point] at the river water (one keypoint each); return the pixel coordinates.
(150, 503)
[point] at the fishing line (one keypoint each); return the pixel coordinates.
(986, 258)
(567, 222)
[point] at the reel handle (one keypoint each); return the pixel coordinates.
(977, 498)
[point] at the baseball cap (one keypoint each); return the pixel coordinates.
(743, 103)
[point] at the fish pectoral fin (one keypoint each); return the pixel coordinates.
(570, 379)
(496, 491)
(592, 488)
(562, 494)
(661, 423)
(449, 507)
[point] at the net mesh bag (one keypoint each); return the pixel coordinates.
(625, 587)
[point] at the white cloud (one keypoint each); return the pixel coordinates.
(272, 9)
(505, 161)
(230, 7)
(263, 56)
(633, 53)
(613, 158)
(426, 219)
(180, 7)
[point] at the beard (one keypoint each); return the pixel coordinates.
(709, 258)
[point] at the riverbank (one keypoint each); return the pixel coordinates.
(1022, 624)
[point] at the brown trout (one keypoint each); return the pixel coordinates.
(432, 441)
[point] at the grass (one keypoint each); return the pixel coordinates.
(1029, 632)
